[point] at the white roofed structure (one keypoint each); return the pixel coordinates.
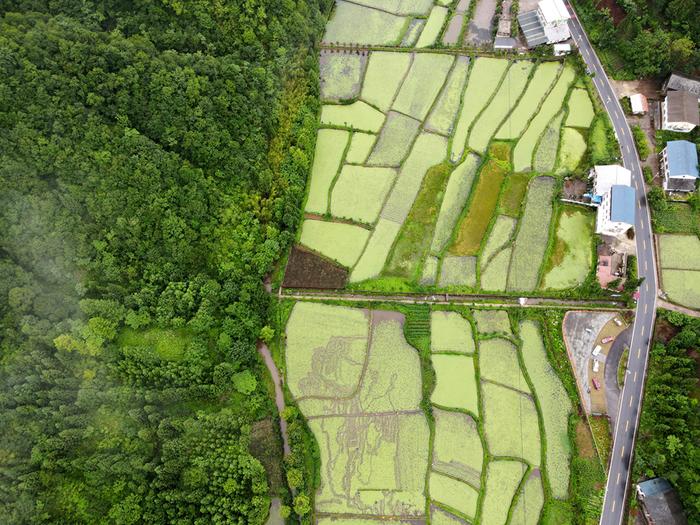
(639, 104)
(553, 11)
(605, 177)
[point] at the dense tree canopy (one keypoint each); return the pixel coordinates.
(153, 157)
(669, 434)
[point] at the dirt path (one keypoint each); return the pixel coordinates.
(675, 308)
(264, 351)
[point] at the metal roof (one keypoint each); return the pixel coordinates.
(504, 42)
(553, 11)
(661, 503)
(682, 107)
(532, 28)
(683, 83)
(682, 158)
(622, 204)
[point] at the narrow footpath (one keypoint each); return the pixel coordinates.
(264, 351)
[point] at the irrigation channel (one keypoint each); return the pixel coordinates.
(503, 301)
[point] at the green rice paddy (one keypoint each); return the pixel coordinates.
(514, 193)
(573, 146)
(495, 276)
(458, 271)
(500, 236)
(453, 493)
(360, 191)
(443, 115)
(546, 153)
(498, 362)
(357, 116)
(377, 250)
(682, 286)
(492, 322)
(528, 509)
(502, 482)
(422, 85)
(360, 146)
(385, 72)
(341, 76)
(679, 258)
(580, 109)
(455, 385)
(450, 332)
(351, 23)
(394, 141)
(432, 27)
(570, 261)
(330, 145)
(339, 241)
(457, 448)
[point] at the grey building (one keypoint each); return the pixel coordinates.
(679, 166)
(679, 111)
(660, 503)
(678, 82)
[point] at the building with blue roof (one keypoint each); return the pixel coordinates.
(617, 211)
(660, 503)
(679, 165)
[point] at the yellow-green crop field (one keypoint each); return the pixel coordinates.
(436, 170)
(679, 259)
(487, 441)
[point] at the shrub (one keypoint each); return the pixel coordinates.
(640, 140)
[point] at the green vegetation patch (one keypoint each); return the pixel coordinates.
(399, 7)
(498, 362)
(357, 116)
(458, 271)
(531, 241)
(341, 75)
(168, 343)
(511, 424)
(682, 286)
(395, 140)
(417, 231)
(523, 152)
(570, 260)
(495, 276)
(580, 109)
(483, 80)
(450, 332)
(442, 116)
(326, 349)
(360, 191)
(555, 405)
(500, 236)
(385, 72)
(500, 106)
(474, 224)
(338, 241)
(330, 145)
(679, 251)
(546, 154)
(573, 147)
(360, 146)
(502, 481)
(453, 493)
(429, 149)
(457, 448)
(351, 23)
(530, 501)
(540, 83)
(492, 322)
(456, 195)
(430, 269)
(514, 193)
(676, 217)
(423, 83)
(373, 258)
(432, 27)
(455, 382)
(603, 150)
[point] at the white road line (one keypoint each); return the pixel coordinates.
(644, 327)
(630, 400)
(644, 243)
(627, 424)
(635, 377)
(646, 269)
(622, 452)
(646, 307)
(639, 352)
(618, 478)
(613, 507)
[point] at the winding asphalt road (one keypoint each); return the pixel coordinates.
(625, 430)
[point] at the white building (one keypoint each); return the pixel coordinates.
(679, 112)
(554, 17)
(616, 211)
(605, 177)
(639, 104)
(562, 49)
(679, 165)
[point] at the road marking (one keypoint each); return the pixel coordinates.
(643, 328)
(646, 307)
(646, 269)
(641, 224)
(644, 243)
(635, 377)
(618, 478)
(613, 507)
(622, 452)
(639, 352)
(630, 399)
(627, 424)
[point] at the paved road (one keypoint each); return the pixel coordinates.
(612, 362)
(625, 431)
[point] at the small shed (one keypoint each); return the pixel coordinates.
(561, 49)
(639, 103)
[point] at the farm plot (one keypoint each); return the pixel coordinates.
(455, 382)
(441, 517)
(394, 141)
(546, 154)
(443, 114)
(330, 146)
(360, 191)
(360, 146)
(453, 29)
(570, 261)
(339, 241)
(453, 493)
(502, 481)
(501, 104)
(429, 273)
(500, 236)
(531, 241)
(494, 276)
(458, 271)
(573, 146)
(433, 26)
(488, 72)
(450, 333)
(492, 322)
(399, 7)
(357, 116)
(457, 448)
(341, 75)
(580, 109)
(530, 501)
(498, 362)
(539, 85)
(422, 85)
(514, 193)
(679, 258)
(555, 405)
(385, 72)
(524, 149)
(375, 254)
(352, 23)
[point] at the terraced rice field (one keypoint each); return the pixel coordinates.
(679, 259)
(455, 213)
(571, 258)
(359, 384)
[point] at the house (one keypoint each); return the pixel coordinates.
(562, 49)
(679, 112)
(679, 165)
(639, 104)
(605, 177)
(504, 42)
(660, 503)
(548, 24)
(616, 212)
(677, 82)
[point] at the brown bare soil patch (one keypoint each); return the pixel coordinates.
(618, 14)
(306, 269)
(584, 440)
(664, 331)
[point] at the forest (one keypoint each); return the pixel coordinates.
(644, 38)
(668, 444)
(153, 158)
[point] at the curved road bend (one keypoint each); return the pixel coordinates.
(625, 430)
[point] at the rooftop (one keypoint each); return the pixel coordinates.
(622, 204)
(661, 502)
(608, 176)
(678, 82)
(639, 103)
(553, 10)
(682, 107)
(682, 158)
(532, 28)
